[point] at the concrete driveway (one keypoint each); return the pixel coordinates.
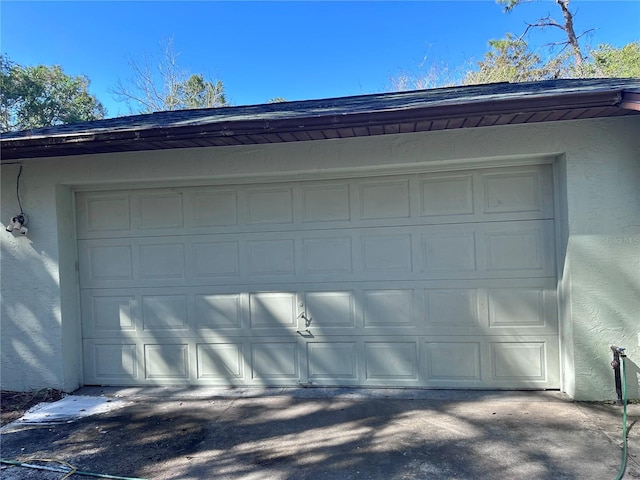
(172, 433)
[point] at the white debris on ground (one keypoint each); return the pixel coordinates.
(68, 409)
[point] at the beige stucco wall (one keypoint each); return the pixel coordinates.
(598, 210)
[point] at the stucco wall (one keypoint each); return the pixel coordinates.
(603, 190)
(30, 293)
(598, 205)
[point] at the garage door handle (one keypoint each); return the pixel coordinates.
(307, 320)
(305, 333)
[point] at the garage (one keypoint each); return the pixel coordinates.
(480, 237)
(441, 279)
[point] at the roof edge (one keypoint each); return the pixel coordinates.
(172, 136)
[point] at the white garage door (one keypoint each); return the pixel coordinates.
(436, 280)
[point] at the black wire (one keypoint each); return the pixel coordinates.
(18, 189)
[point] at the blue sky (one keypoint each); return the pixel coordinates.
(295, 50)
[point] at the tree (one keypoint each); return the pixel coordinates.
(510, 60)
(41, 96)
(199, 92)
(609, 61)
(167, 87)
(430, 74)
(604, 61)
(566, 26)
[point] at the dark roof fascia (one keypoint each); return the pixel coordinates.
(171, 135)
(631, 99)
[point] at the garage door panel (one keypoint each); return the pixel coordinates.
(217, 311)
(386, 253)
(526, 305)
(384, 199)
(166, 261)
(332, 362)
(269, 205)
(447, 361)
(523, 247)
(157, 211)
(102, 214)
(215, 259)
(327, 255)
(166, 361)
(449, 252)
(442, 280)
(452, 363)
(326, 311)
(329, 202)
(518, 361)
(271, 257)
(446, 195)
(452, 307)
(111, 362)
(164, 312)
(219, 362)
(106, 262)
(391, 362)
(206, 208)
(518, 191)
(486, 250)
(273, 361)
(108, 314)
(273, 310)
(513, 251)
(389, 308)
(516, 307)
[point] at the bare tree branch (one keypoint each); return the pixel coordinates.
(566, 26)
(571, 34)
(546, 22)
(165, 85)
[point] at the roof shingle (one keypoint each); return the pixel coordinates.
(421, 110)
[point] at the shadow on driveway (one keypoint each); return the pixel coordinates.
(333, 434)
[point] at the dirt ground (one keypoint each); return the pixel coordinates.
(14, 405)
(175, 434)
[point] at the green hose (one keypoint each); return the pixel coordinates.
(69, 473)
(623, 465)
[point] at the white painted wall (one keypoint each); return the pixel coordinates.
(598, 176)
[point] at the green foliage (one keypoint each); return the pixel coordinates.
(510, 60)
(277, 100)
(194, 92)
(197, 92)
(41, 96)
(509, 4)
(608, 61)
